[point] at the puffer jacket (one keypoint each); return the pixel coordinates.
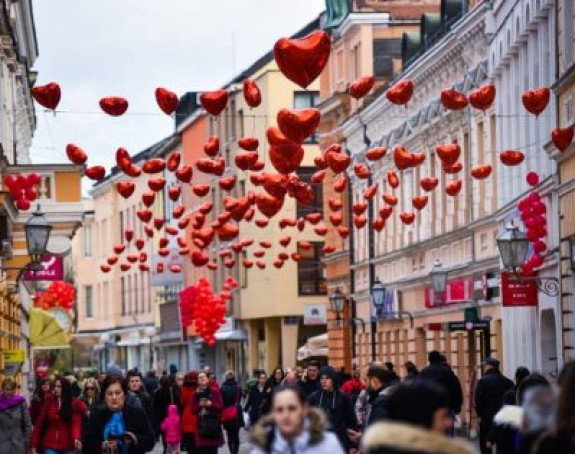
(15, 428)
(315, 439)
(398, 438)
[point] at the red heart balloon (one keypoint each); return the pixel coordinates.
(76, 155)
(376, 153)
(453, 188)
(227, 183)
(428, 183)
(212, 146)
(343, 231)
(48, 95)
(338, 162)
(96, 173)
(453, 100)
(359, 207)
(201, 190)
(335, 204)
(448, 153)
(105, 268)
(361, 171)
(359, 221)
(402, 158)
(155, 165)
(400, 93)
(320, 230)
(214, 101)
(340, 185)
(302, 60)
(114, 105)
(174, 192)
(378, 224)
(511, 157)
(125, 188)
(268, 205)
(335, 219)
(318, 177)
(481, 171)
(123, 159)
(287, 158)
(199, 259)
(390, 199)
(483, 97)
(562, 138)
(298, 124)
(156, 184)
(249, 143)
(536, 101)
(112, 260)
(385, 212)
(245, 159)
(392, 179)
(257, 166)
(455, 168)
(419, 201)
(148, 198)
(173, 161)
(178, 211)
(228, 232)
(361, 87)
(252, 93)
(167, 100)
(407, 217)
(144, 215)
(184, 174)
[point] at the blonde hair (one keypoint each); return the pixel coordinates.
(91, 381)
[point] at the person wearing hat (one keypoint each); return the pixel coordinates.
(336, 405)
(489, 399)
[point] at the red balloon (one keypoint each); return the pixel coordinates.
(298, 124)
(114, 105)
(96, 173)
(483, 97)
(532, 178)
(376, 153)
(480, 172)
(536, 101)
(156, 184)
(400, 93)
(453, 100)
(361, 87)
(453, 188)
(76, 155)
(167, 100)
(173, 161)
(252, 93)
(125, 188)
(562, 138)
(154, 165)
(249, 143)
(448, 153)
(23, 204)
(48, 95)
(511, 157)
(31, 194)
(407, 217)
(338, 162)
(184, 174)
(215, 101)
(302, 60)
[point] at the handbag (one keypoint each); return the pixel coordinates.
(209, 426)
(230, 414)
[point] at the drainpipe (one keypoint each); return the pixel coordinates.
(351, 263)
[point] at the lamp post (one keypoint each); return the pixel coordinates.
(513, 247)
(150, 332)
(378, 294)
(438, 276)
(337, 302)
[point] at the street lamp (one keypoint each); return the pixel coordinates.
(337, 301)
(513, 245)
(438, 276)
(37, 235)
(378, 296)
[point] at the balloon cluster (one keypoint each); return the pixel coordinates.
(23, 188)
(207, 309)
(532, 210)
(59, 294)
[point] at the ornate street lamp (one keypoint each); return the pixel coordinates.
(378, 296)
(150, 332)
(337, 301)
(513, 247)
(37, 236)
(438, 276)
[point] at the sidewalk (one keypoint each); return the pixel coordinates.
(244, 448)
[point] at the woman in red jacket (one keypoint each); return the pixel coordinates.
(41, 396)
(59, 427)
(207, 406)
(188, 417)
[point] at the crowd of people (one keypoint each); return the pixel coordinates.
(312, 410)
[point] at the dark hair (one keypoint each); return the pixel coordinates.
(389, 366)
(112, 379)
(134, 373)
(165, 381)
(434, 357)
(565, 420)
(295, 389)
(532, 381)
(313, 362)
(39, 393)
(191, 378)
(384, 375)
(415, 403)
(411, 368)
(521, 374)
(67, 396)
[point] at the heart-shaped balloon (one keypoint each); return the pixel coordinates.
(359, 221)
(429, 183)
(376, 153)
(385, 212)
(156, 184)
(173, 161)
(378, 224)
(335, 204)
(343, 231)
(340, 184)
(201, 190)
(167, 100)
(123, 159)
(148, 198)
(419, 201)
(125, 188)
(453, 99)
(361, 87)
(400, 93)
(320, 230)
(286, 158)
(227, 183)
(453, 188)
(511, 157)
(407, 217)
(105, 268)
(392, 179)
(302, 60)
(483, 97)
(536, 101)
(268, 205)
(298, 124)
(199, 259)
(249, 143)
(245, 159)
(252, 93)
(184, 173)
(112, 260)
(212, 146)
(174, 192)
(257, 166)
(359, 207)
(390, 199)
(96, 173)
(338, 162)
(318, 177)
(228, 232)
(214, 101)
(481, 171)
(455, 168)
(402, 158)
(154, 165)
(48, 95)
(114, 105)
(562, 138)
(320, 162)
(361, 171)
(448, 153)
(335, 219)
(313, 218)
(75, 154)
(119, 248)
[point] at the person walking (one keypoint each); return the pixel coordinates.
(336, 405)
(231, 414)
(411, 371)
(255, 398)
(172, 429)
(138, 390)
(167, 394)
(15, 423)
(188, 417)
(510, 396)
(275, 380)
(41, 395)
(90, 395)
(489, 394)
(117, 426)
(439, 372)
(354, 386)
(418, 415)
(207, 406)
(59, 427)
(293, 427)
(311, 382)
(151, 382)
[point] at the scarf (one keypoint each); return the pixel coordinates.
(115, 430)
(9, 402)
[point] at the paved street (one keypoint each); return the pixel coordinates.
(244, 449)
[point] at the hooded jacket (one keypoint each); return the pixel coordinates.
(397, 438)
(337, 406)
(315, 439)
(172, 426)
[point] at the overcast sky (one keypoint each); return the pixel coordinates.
(129, 47)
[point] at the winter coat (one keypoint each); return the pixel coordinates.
(353, 387)
(163, 398)
(215, 409)
(377, 404)
(254, 403)
(135, 422)
(340, 413)
(555, 443)
(231, 394)
(489, 395)
(444, 376)
(188, 417)
(52, 432)
(397, 438)
(505, 428)
(309, 386)
(315, 439)
(145, 402)
(37, 404)
(172, 426)
(15, 428)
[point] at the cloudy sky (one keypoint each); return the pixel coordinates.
(129, 47)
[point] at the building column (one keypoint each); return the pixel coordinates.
(289, 337)
(272, 328)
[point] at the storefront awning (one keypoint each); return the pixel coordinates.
(315, 346)
(232, 335)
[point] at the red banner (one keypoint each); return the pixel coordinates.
(459, 291)
(516, 292)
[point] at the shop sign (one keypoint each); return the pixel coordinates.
(314, 314)
(12, 360)
(457, 291)
(517, 292)
(486, 286)
(52, 270)
(468, 326)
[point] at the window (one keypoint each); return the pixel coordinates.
(316, 205)
(88, 241)
(568, 103)
(123, 296)
(310, 271)
(136, 293)
(88, 302)
(304, 100)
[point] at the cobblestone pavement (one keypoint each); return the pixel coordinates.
(244, 448)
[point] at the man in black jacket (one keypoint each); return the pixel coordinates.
(137, 389)
(336, 405)
(311, 382)
(489, 399)
(442, 375)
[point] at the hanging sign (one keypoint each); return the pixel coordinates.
(12, 361)
(517, 292)
(52, 270)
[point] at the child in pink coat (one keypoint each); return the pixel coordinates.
(172, 428)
